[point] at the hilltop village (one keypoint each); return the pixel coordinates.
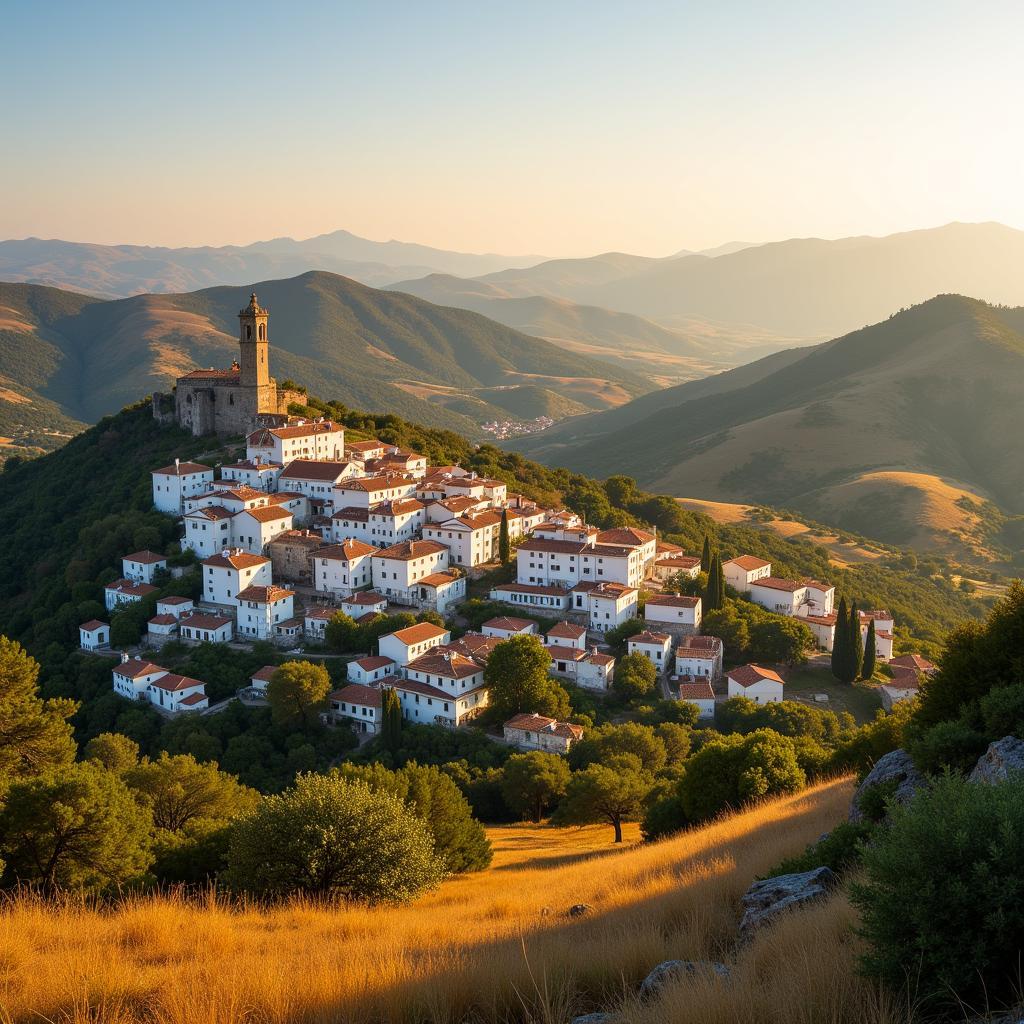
(309, 525)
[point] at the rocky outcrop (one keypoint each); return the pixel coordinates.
(670, 970)
(1003, 758)
(764, 901)
(896, 769)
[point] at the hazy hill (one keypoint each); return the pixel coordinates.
(664, 354)
(883, 430)
(803, 287)
(370, 348)
(122, 270)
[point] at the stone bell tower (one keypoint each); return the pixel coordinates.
(254, 342)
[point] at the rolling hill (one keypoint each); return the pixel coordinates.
(887, 431)
(667, 355)
(117, 271)
(799, 288)
(372, 349)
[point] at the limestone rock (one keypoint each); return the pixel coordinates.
(579, 909)
(896, 766)
(669, 970)
(1003, 758)
(767, 899)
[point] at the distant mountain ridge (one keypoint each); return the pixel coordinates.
(367, 348)
(115, 271)
(874, 430)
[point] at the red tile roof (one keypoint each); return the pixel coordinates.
(408, 550)
(748, 675)
(145, 557)
(135, 667)
(672, 601)
(234, 559)
(748, 563)
(357, 693)
(419, 633)
(346, 550)
(92, 625)
(510, 624)
(696, 691)
(183, 469)
(309, 469)
(264, 595)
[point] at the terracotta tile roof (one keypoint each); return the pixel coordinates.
(240, 493)
(748, 563)
(531, 588)
(778, 583)
(554, 547)
(438, 579)
(124, 586)
(699, 647)
(212, 512)
(357, 693)
(366, 597)
(559, 653)
(625, 536)
(321, 614)
(531, 720)
(357, 515)
(567, 631)
(912, 661)
(672, 601)
(173, 683)
(511, 624)
(748, 675)
(696, 691)
(92, 625)
(248, 464)
(210, 623)
(474, 645)
(264, 595)
(136, 667)
(424, 689)
(904, 679)
(371, 483)
(183, 469)
(448, 664)
(264, 674)
(267, 514)
(596, 658)
(610, 589)
(397, 507)
(408, 550)
(647, 637)
(229, 559)
(373, 662)
(682, 561)
(346, 550)
(364, 446)
(192, 698)
(174, 600)
(304, 538)
(302, 430)
(163, 620)
(418, 634)
(309, 469)
(145, 557)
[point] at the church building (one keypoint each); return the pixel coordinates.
(237, 400)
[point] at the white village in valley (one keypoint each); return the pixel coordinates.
(308, 525)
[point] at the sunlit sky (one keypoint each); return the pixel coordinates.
(548, 128)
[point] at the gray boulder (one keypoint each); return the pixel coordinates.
(1003, 758)
(897, 767)
(670, 970)
(579, 909)
(764, 901)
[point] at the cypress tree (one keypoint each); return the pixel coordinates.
(714, 591)
(705, 557)
(840, 640)
(856, 648)
(504, 544)
(391, 720)
(719, 582)
(868, 668)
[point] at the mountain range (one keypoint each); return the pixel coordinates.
(908, 430)
(74, 357)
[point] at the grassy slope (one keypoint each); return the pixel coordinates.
(936, 390)
(480, 948)
(337, 336)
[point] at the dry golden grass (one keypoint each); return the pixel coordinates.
(497, 946)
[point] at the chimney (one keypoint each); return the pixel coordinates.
(177, 463)
(124, 657)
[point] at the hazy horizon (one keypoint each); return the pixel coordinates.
(558, 132)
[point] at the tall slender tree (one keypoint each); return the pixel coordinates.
(391, 720)
(840, 640)
(719, 582)
(856, 649)
(504, 542)
(705, 556)
(714, 592)
(868, 668)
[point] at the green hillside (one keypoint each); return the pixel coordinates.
(373, 349)
(936, 392)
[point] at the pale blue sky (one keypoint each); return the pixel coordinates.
(554, 128)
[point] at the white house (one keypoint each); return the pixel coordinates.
(668, 565)
(532, 595)
(234, 499)
(174, 693)
(536, 732)
(782, 596)
(407, 644)
(567, 634)
(315, 622)
(655, 647)
(370, 670)
(133, 676)
(197, 627)
(365, 492)
(587, 668)
(504, 627)
(260, 679)
(230, 571)
(161, 628)
(173, 484)
(173, 605)
(256, 473)
(678, 614)
(397, 568)
(125, 592)
(207, 530)
(358, 705)
(442, 688)
(439, 590)
(741, 572)
(699, 693)
(366, 602)
(360, 451)
(610, 605)
(253, 529)
(394, 521)
(473, 538)
(643, 542)
(343, 568)
(261, 609)
(142, 566)
(819, 599)
(350, 524)
(761, 685)
(548, 562)
(316, 480)
(315, 439)
(904, 685)
(699, 657)
(94, 635)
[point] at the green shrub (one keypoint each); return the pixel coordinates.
(948, 745)
(942, 903)
(839, 850)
